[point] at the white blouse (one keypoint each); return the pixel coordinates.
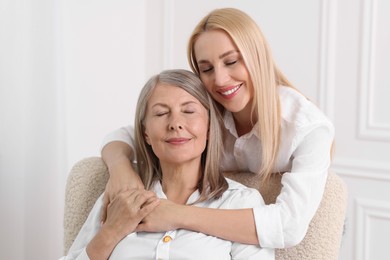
(178, 244)
(304, 157)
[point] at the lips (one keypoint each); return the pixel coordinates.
(177, 140)
(229, 92)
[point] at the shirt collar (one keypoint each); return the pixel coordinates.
(231, 127)
(160, 193)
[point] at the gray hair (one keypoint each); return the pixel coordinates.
(212, 184)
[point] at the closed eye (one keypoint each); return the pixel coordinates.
(161, 114)
(231, 62)
(205, 70)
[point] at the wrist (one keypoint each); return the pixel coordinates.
(110, 236)
(184, 217)
(101, 246)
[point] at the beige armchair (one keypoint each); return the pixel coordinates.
(88, 178)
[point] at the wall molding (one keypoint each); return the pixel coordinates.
(327, 57)
(367, 128)
(362, 169)
(168, 16)
(367, 210)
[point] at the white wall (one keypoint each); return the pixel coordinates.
(71, 71)
(103, 59)
(31, 160)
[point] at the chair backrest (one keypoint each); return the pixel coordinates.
(323, 238)
(88, 177)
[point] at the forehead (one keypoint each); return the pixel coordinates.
(213, 42)
(167, 93)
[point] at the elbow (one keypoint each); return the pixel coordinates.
(294, 237)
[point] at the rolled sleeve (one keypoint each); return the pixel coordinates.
(123, 134)
(269, 226)
(247, 198)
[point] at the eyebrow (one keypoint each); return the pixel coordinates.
(182, 104)
(223, 55)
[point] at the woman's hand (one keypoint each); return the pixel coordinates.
(166, 216)
(127, 210)
(121, 177)
(124, 213)
(117, 156)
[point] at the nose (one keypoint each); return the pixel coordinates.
(221, 76)
(175, 127)
(175, 123)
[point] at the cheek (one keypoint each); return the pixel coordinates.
(245, 75)
(202, 129)
(207, 83)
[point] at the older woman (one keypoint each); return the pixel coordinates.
(178, 151)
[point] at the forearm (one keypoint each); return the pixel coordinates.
(236, 225)
(116, 150)
(118, 156)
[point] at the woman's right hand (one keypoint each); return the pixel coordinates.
(121, 178)
(124, 213)
(127, 209)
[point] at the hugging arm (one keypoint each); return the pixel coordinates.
(236, 225)
(117, 153)
(117, 156)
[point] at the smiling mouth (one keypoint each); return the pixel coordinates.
(177, 141)
(230, 91)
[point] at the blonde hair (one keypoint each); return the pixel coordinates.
(212, 183)
(263, 72)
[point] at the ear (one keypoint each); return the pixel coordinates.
(146, 138)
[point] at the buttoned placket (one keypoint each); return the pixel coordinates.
(162, 250)
(239, 147)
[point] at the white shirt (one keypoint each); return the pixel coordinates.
(181, 244)
(304, 155)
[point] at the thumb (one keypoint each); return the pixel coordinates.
(148, 207)
(143, 227)
(103, 215)
(140, 228)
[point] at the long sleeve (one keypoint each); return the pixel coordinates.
(304, 157)
(247, 198)
(285, 223)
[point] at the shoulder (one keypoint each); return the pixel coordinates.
(240, 196)
(299, 112)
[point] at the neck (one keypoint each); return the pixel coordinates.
(243, 121)
(180, 181)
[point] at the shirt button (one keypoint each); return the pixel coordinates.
(166, 239)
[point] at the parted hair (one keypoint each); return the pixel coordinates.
(212, 182)
(264, 75)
